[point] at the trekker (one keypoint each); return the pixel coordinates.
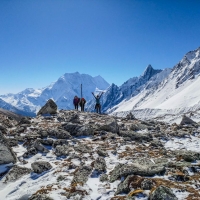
(82, 104)
(98, 105)
(76, 101)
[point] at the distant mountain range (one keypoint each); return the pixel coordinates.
(154, 94)
(62, 92)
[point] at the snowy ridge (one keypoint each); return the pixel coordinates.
(176, 94)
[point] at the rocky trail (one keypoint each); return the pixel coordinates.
(80, 155)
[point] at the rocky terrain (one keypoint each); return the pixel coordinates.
(81, 155)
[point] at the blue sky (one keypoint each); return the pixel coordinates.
(40, 40)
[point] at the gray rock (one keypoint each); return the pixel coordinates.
(124, 187)
(83, 148)
(62, 150)
(136, 136)
(162, 193)
(101, 152)
(12, 142)
(37, 145)
(130, 116)
(40, 197)
(62, 134)
(100, 164)
(110, 125)
(147, 184)
(6, 153)
(142, 167)
(16, 173)
(103, 177)
(81, 175)
(41, 166)
(49, 108)
(79, 130)
(188, 156)
(47, 142)
(30, 152)
(187, 121)
(156, 143)
(60, 142)
(25, 120)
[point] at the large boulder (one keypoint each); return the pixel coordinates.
(16, 173)
(81, 175)
(41, 166)
(142, 167)
(6, 153)
(40, 197)
(187, 121)
(163, 193)
(49, 108)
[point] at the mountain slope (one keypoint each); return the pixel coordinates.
(62, 92)
(176, 94)
(114, 95)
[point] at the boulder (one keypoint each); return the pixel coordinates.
(49, 108)
(41, 166)
(162, 193)
(40, 197)
(6, 153)
(16, 173)
(187, 121)
(142, 167)
(131, 181)
(62, 150)
(81, 175)
(139, 137)
(100, 164)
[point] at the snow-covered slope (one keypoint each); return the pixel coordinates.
(176, 94)
(62, 91)
(114, 95)
(4, 106)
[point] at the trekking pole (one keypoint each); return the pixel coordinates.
(81, 91)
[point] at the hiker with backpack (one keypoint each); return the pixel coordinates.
(82, 104)
(98, 105)
(76, 102)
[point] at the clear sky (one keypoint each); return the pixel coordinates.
(40, 40)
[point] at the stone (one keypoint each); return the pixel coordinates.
(101, 152)
(110, 126)
(62, 134)
(81, 175)
(162, 193)
(16, 173)
(12, 142)
(147, 184)
(41, 166)
(37, 145)
(62, 150)
(103, 177)
(186, 121)
(124, 187)
(49, 108)
(139, 137)
(60, 142)
(24, 120)
(142, 167)
(100, 164)
(30, 152)
(130, 116)
(6, 153)
(40, 197)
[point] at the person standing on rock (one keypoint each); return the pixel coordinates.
(76, 102)
(98, 105)
(82, 104)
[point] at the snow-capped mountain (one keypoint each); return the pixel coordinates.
(62, 92)
(178, 93)
(4, 106)
(114, 95)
